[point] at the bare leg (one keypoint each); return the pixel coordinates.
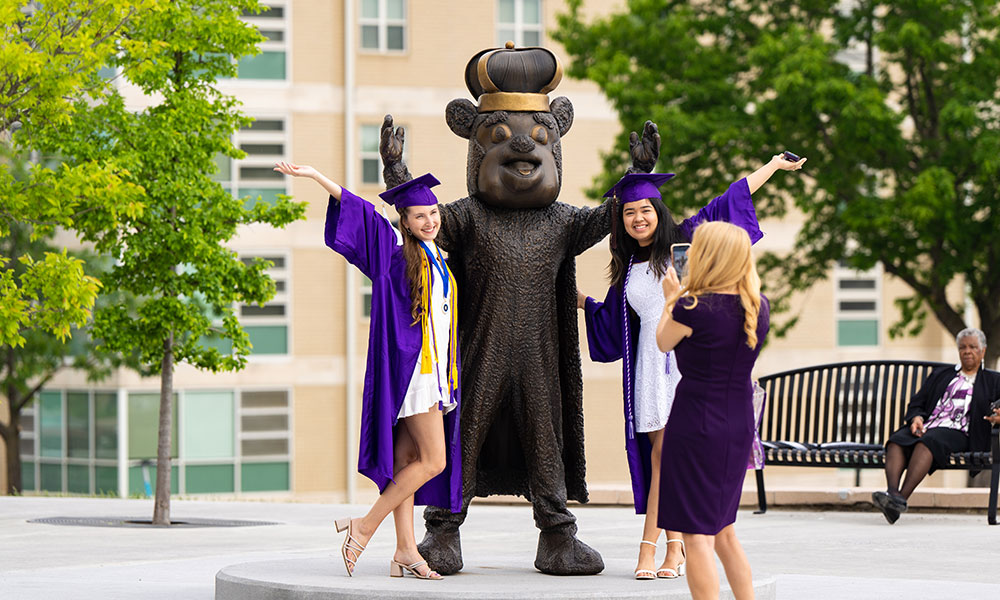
(735, 562)
(427, 433)
(703, 578)
(920, 463)
(404, 452)
(650, 532)
(895, 462)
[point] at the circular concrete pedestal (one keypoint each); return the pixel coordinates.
(326, 579)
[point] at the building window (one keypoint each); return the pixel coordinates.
(519, 21)
(858, 306)
(371, 163)
(272, 61)
(254, 177)
(69, 443)
(223, 441)
(212, 455)
(383, 25)
(267, 325)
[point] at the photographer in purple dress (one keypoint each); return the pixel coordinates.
(950, 413)
(715, 324)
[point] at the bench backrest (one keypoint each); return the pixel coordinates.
(860, 402)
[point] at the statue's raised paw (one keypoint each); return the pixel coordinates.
(645, 151)
(390, 145)
(561, 553)
(442, 550)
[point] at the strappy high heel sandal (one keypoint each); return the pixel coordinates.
(646, 574)
(672, 573)
(396, 570)
(350, 545)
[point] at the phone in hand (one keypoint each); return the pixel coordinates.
(995, 405)
(679, 258)
(790, 156)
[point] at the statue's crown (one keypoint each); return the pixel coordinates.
(514, 79)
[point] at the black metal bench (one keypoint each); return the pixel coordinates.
(839, 415)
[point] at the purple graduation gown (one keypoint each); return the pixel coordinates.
(368, 241)
(607, 333)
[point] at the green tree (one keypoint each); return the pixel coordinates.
(172, 257)
(49, 58)
(904, 148)
(28, 366)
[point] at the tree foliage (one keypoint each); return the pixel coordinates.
(26, 368)
(49, 59)
(896, 104)
(172, 256)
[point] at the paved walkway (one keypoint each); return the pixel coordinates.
(811, 555)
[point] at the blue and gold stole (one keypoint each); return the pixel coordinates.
(428, 356)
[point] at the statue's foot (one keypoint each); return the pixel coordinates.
(561, 553)
(442, 550)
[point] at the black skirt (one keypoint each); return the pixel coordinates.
(941, 441)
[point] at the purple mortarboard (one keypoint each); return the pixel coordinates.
(415, 192)
(638, 186)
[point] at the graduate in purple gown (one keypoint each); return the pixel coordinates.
(642, 232)
(409, 426)
(716, 324)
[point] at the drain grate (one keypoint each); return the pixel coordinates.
(138, 522)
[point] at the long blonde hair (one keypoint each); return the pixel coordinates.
(720, 258)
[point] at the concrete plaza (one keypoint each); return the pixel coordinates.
(810, 554)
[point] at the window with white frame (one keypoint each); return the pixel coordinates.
(371, 160)
(268, 325)
(383, 25)
(272, 61)
(371, 164)
(519, 21)
(265, 142)
(857, 297)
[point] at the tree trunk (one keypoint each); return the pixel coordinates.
(12, 441)
(11, 432)
(161, 507)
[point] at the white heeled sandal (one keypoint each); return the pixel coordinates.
(671, 573)
(646, 574)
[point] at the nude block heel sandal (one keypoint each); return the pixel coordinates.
(350, 545)
(396, 570)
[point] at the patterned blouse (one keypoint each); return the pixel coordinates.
(952, 410)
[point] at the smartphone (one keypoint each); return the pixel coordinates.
(679, 258)
(791, 157)
(995, 405)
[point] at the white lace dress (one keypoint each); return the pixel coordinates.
(656, 374)
(427, 389)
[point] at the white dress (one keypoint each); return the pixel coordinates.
(656, 373)
(427, 389)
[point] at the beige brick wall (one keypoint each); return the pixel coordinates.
(319, 444)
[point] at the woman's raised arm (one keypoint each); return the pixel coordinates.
(306, 171)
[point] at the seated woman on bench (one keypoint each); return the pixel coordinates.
(950, 413)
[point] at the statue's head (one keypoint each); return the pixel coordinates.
(515, 133)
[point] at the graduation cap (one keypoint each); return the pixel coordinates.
(634, 187)
(638, 186)
(415, 192)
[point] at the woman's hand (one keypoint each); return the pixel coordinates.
(296, 170)
(671, 285)
(994, 419)
(917, 426)
(780, 162)
(581, 299)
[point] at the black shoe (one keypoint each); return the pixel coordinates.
(888, 505)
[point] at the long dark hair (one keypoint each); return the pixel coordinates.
(413, 254)
(666, 233)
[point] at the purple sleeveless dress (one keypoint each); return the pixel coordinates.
(708, 438)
